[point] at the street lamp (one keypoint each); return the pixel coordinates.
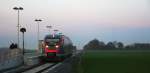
(38, 32)
(18, 25)
(23, 30)
(49, 27)
(55, 31)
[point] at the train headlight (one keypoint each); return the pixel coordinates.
(46, 46)
(57, 46)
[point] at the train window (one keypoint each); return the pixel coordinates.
(52, 41)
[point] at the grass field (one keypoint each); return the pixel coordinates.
(115, 62)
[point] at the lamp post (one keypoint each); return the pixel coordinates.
(38, 32)
(23, 30)
(18, 25)
(49, 27)
(55, 31)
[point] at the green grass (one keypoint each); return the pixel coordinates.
(115, 62)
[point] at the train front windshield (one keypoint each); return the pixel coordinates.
(52, 42)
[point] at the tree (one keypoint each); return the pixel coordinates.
(92, 45)
(110, 45)
(101, 45)
(120, 45)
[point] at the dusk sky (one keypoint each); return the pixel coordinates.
(127, 21)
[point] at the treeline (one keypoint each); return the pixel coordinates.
(100, 45)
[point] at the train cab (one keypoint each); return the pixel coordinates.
(58, 46)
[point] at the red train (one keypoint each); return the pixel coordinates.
(57, 46)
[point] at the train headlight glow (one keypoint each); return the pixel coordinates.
(46, 46)
(57, 46)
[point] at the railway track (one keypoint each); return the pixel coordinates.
(40, 68)
(33, 69)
